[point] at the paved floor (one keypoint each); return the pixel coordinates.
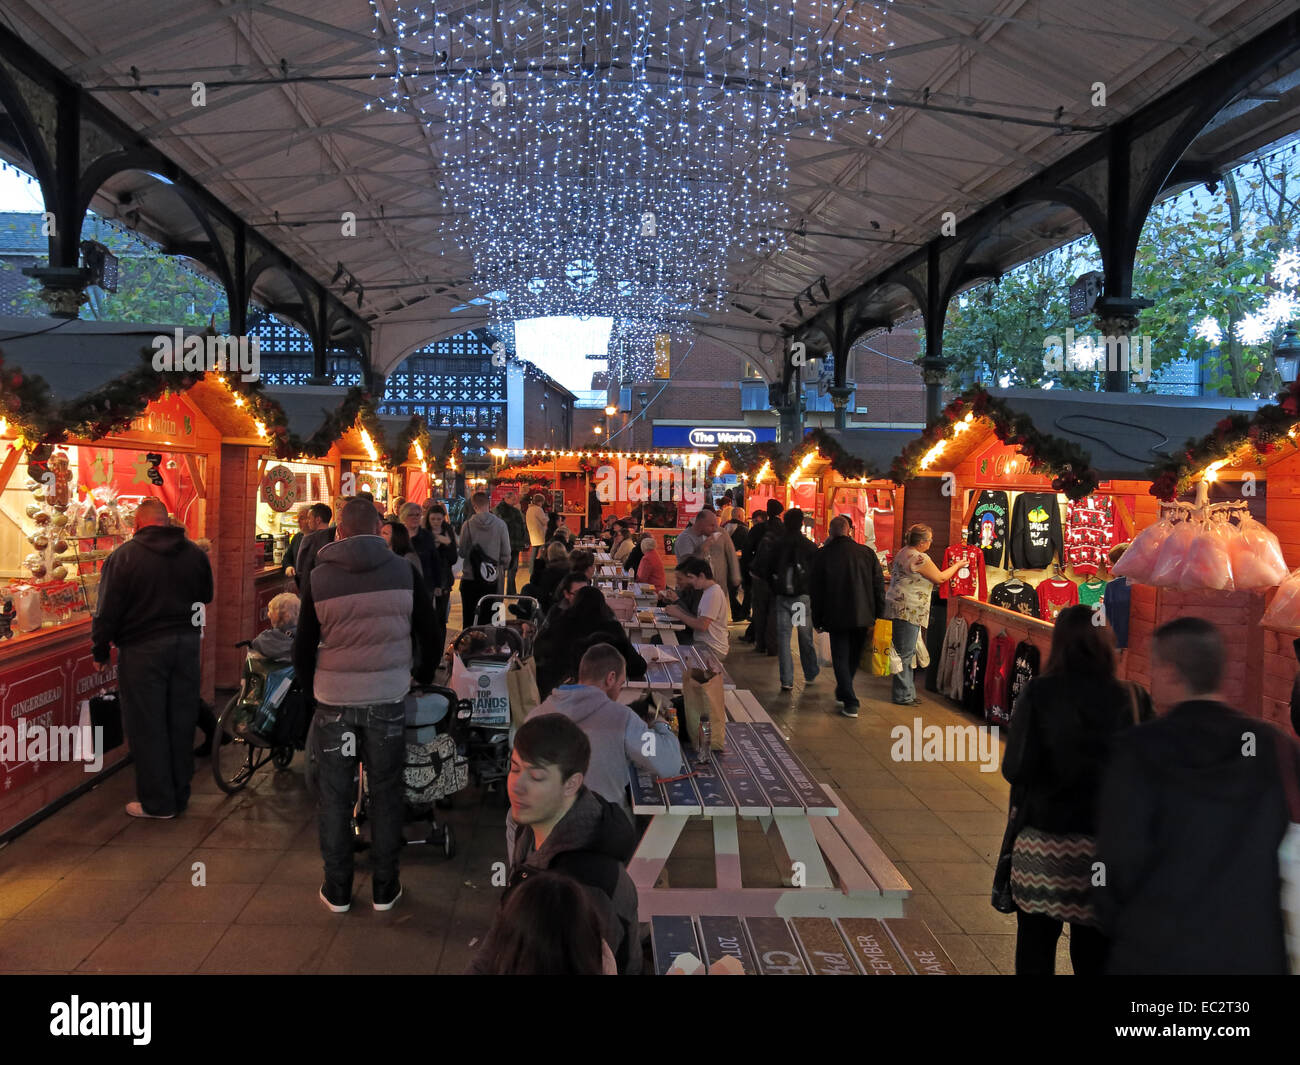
(231, 886)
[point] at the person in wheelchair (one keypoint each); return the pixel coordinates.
(276, 643)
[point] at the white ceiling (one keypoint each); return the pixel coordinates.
(304, 152)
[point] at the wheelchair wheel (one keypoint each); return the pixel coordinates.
(448, 842)
(233, 762)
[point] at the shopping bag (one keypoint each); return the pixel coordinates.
(104, 712)
(881, 641)
(895, 662)
(485, 687)
(822, 641)
(702, 694)
(521, 682)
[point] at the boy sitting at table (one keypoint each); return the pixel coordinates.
(619, 736)
(709, 619)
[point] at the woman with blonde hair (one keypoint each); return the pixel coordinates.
(912, 578)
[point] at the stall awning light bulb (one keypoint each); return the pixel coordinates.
(763, 471)
(419, 451)
(261, 428)
(1211, 473)
(369, 445)
(717, 470)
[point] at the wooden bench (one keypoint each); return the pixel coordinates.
(802, 946)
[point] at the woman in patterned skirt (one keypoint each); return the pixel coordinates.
(1057, 746)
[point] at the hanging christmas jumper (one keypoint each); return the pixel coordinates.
(1015, 595)
(970, 579)
(1024, 668)
(1054, 595)
(1091, 590)
(1116, 602)
(948, 680)
(1035, 530)
(997, 680)
(1089, 533)
(988, 526)
(972, 673)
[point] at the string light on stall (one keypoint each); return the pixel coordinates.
(369, 445)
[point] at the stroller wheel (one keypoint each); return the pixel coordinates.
(281, 757)
(448, 842)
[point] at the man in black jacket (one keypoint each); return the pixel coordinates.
(1192, 810)
(785, 562)
(152, 598)
(762, 619)
(848, 594)
(312, 543)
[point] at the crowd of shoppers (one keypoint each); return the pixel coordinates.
(1175, 796)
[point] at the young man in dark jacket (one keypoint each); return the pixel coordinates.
(762, 617)
(152, 594)
(362, 610)
(785, 562)
(508, 511)
(309, 548)
(848, 594)
(563, 826)
(1191, 814)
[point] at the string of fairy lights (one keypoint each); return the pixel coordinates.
(618, 159)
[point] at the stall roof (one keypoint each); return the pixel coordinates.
(876, 447)
(75, 356)
(307, 407)
(1124, 433)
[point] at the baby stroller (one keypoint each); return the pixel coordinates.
(434, 769)
(265, 721)
(502, 635)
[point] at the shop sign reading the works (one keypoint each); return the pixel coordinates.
(710, 436)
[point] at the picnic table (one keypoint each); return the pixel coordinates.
(667, 664)
(803, 946)
(759, 776)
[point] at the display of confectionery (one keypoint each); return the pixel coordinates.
(71, 530)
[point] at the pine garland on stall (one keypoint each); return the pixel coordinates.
(1263, 432)
(1069, 465)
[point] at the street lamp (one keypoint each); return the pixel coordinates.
(610, 411)
(1286, 356)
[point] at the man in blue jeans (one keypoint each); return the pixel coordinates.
(362, 614)
(786, 563)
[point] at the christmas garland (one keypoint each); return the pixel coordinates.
(416, 432)
(1069, 465)
(748, 459)
(25, 400)
(1263, 432)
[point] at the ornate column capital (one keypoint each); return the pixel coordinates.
(63, 288)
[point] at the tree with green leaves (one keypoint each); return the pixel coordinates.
(1209, 260)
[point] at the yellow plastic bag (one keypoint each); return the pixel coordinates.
(881, 642)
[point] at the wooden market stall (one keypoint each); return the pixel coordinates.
(659, 492)
(1040, 486)
(1254, 458)
(83, 444)
(828, 473)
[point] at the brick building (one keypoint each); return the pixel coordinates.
(712, 385)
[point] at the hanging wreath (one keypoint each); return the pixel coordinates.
(279, 488)
(1069, 465)
(1263, 433)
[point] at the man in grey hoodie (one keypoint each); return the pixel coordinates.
(485, 547)
(617, 734)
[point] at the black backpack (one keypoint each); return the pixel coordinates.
(791, 575)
